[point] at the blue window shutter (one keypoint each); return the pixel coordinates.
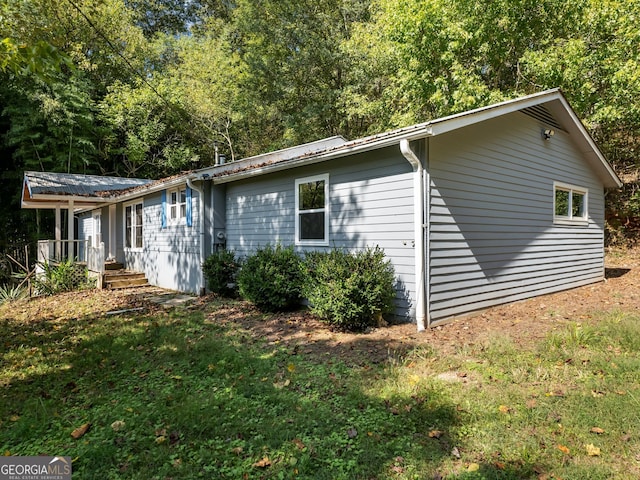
(189, 209)
(164, 209)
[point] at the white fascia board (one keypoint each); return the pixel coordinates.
(68, 198)
(464, 119)
(78, 205)
(153, 188)
(587, 145)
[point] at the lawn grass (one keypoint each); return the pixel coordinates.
(172, 394)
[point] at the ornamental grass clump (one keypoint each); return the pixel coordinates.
(350, 290)
(272, 279)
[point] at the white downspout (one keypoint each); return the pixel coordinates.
(201, 232)
(419, 209)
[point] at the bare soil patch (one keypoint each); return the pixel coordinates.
(523, 322)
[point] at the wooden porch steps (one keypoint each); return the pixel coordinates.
(115, 279)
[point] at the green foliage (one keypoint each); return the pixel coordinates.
(10, 293)
(350, 290)
(58, 278)
(294, 67)
(150, 87)
(272, 278)
(220, 270)
(52, 125)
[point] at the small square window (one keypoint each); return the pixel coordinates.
(312, 210)
(570, 204)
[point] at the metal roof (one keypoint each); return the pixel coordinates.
(53, 190)
(47, 183)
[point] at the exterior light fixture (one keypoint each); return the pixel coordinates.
(548, 133)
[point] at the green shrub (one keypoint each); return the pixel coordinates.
(272, 278)
(220, 270)
(57, 278)
(349, 290)
(9, 293)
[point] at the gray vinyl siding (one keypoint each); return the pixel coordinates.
(371, 203)
(492, 235)
(170, 257)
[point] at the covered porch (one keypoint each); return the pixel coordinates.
(71, 194)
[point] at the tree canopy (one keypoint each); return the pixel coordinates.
(152, 87)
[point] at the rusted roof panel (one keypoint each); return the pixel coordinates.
(48, 183)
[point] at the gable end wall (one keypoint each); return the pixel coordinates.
(492, 236)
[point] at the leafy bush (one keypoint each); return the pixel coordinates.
(272, 278)
(220, 270)
(57, 278)
(10, 293)
(349, 290)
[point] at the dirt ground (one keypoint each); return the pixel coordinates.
(523, 322)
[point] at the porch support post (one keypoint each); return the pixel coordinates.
(58, 245)
(70, 229)
(112, 232)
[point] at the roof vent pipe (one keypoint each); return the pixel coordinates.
(216, 156)
(418, 208)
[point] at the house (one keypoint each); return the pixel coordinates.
(476, 209)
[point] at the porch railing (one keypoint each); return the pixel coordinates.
(59, 250)
(95, 258)
(80, 251)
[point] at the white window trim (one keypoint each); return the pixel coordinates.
(570, 219)
(324, 242)
(133, 226)
(179, 218)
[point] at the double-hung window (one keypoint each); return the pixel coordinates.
(570, 204)
(177, 204)
(312, 210)
(133, 225)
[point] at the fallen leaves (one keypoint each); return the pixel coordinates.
(473, 467)
(81, 431)
(263, 463)
(564, 449)
(237, 450)
(117, 425)
(298, 443)
(555, 393)
(592, 450)
(597, 430)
